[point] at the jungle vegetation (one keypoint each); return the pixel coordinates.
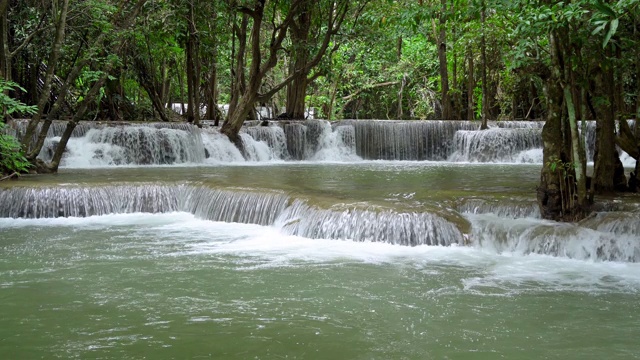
(559, 61)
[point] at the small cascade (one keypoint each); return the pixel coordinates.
(82, 128)
(406, 140)
(526, 236)
(517, 208)
(518, 124)
(122, 143)
(206, 203)
(234, 206)
(273, 136)
(317, 140)
(495, 145)
(231, 205)
(615, 222)
(336, 144)
(35, 203)
(370, 225)
(256, 151)
(136, 145)
(316, 130)
(55, 130)
(296, 135)
(218, 148)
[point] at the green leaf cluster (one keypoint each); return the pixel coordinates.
(10, 105)
(12, 159)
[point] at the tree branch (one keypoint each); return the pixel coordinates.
(351, 96)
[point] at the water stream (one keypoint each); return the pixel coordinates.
(356, 240)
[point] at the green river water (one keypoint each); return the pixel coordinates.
(173, 286)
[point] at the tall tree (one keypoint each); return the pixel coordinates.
(259, 66)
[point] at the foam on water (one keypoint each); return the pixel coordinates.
(505, 274)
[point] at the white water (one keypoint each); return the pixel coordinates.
(508, 273)
(147, 145)
(100, 145)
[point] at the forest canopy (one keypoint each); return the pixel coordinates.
(563, 62)
(448, 59)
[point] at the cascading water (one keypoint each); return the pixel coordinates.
(103, 144)
(149, 144)
(497, 145)
(405, 140)
(512, 209)
(317, 140)
(294, 259)
(526, 235)
(273, 136)
(107, 144)
(409, 229)
(239, 206)
(96, 144)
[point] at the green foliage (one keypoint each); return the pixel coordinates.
(12, 158)
(605, 19)
(10, 105)
(555, 164)
(477, 94)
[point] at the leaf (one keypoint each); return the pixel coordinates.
(612, 30)
(601, 25)
(605, 9)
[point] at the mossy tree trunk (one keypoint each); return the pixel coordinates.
(562, 193)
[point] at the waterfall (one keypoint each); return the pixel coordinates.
(35, 203)
(406, 140)
(336, 145)
(121, 143)
(318, 140)
(525, 236)
(135, 145)
(618, 223)
(514, 208)
(370, 225)
(233, 205)
(495, 145)
(218, 148)
(273, 136)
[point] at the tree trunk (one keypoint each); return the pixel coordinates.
(238, 79)
(634, 178)
(483, 45)
(144, 75)
(552, 191)
(562, 194)
(442, 58)
(297, 88)
(605, 154)
(5, 53)
(242, 104)
(471, 84)
(71, 125)
(577, 152)
(51, 66)
(91, 96)
(193, 69)
(53, 113)
(213, 113)
(636, 173)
